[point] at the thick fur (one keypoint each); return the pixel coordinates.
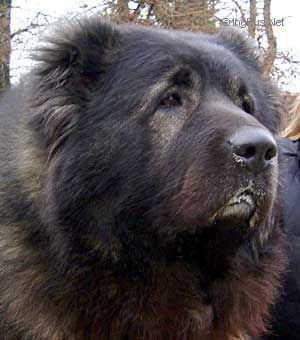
(107, 189)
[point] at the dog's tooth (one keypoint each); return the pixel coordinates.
(252, 221)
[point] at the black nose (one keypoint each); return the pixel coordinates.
(254, 148)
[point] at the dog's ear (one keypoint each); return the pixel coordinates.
(245, 48)
(240, 44)
(71, 62)
(77, 52)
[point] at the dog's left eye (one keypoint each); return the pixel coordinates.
(170, 101)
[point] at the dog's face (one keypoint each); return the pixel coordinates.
(154, 133)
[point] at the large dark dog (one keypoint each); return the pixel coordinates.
(139, 196)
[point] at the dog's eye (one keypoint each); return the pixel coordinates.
(247, 104)
(170, 101)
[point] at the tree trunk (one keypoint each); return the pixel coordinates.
(253, 15)
(5, 48)
(270, 54)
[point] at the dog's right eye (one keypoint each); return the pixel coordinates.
(170, 101)
(247, 104)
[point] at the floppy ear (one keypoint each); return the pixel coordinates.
(71, 60)
(240, 44)
(245, 48)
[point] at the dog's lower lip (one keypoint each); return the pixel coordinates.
(239, 208)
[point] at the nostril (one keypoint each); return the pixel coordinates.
(271, 153)
(248, 152)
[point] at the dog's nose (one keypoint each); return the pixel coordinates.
(253, 147)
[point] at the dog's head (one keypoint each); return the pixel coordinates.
(148, 134)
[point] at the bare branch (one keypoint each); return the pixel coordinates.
(26, 29)
(241, 10)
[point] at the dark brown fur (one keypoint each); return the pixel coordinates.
(105, 200)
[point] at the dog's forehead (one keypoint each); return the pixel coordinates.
(193, 48)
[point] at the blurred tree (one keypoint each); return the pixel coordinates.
(197, 15)
(254, 16)
(257, 20)
(207, 15)
(5, 47)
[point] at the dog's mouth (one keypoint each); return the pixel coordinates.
(239, 210)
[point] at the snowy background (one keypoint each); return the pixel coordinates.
(45, 12)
